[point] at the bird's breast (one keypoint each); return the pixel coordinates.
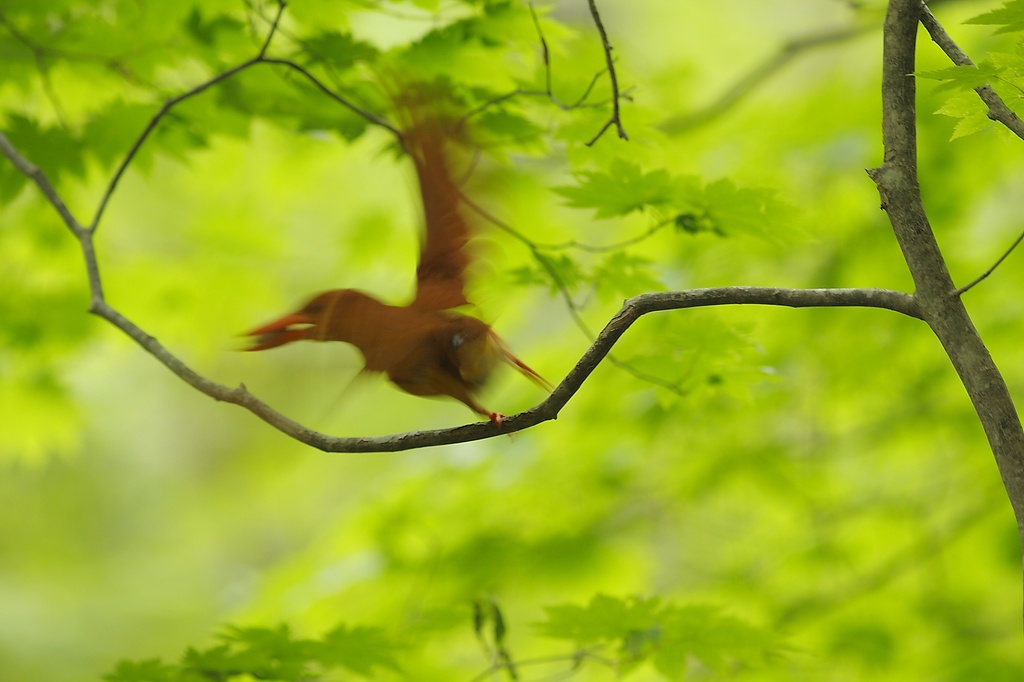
(474, 351)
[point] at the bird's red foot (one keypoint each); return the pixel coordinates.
(497, 418)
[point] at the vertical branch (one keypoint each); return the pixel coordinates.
(938, 298)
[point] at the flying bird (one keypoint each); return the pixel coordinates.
(425, 348)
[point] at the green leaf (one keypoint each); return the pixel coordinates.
(207, 32)
(359, 649)
(623, 274)
(963, 77)
(112, 130)
(340, 50)
(54, 150)
(623, 189)
(970, 111)
(149, 670)
(508, 127)
(603, 619)
(716, 640)
(695, 223)
(970, 125)
(291, 103)
(1009, 17)
(733, 209)
(557, 272)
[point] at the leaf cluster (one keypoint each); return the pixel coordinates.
(270, 654)
(674, 638)
(1002, 71)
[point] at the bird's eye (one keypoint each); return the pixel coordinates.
(457, 340)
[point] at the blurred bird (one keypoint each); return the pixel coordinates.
(424, 348)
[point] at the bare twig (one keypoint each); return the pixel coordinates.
(170, 104)
(546, 55)
(575, 311)
(260, 58)
(995, 265)
(997, 109)
(615, 117)
(347, 103)
(548, 91)
(604, 248)
(574, 659)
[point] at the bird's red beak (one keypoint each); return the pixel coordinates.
(289, 328)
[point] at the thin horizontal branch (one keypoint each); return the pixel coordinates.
(997, 109)
(630, 312)
(980, 278)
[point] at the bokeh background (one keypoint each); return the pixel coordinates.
(818, 474)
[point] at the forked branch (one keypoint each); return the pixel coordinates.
(997, 109)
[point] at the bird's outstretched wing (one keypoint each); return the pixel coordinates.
(440, 276)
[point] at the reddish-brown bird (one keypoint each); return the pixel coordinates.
(424, 347)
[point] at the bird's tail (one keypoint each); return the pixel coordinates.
(525, 369)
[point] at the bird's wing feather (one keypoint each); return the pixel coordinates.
(440, 276)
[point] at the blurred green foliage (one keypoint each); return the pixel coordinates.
(798, 495)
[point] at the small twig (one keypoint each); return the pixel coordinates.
(545, 54)
(997, 109)
(548, 91)
(574, 658)
(170, 104)
(151, 126)
(259, 58)
(615, 117)
(982, 276)
(586, 92)
(575, 311)
(603, 248)
(345, 102)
